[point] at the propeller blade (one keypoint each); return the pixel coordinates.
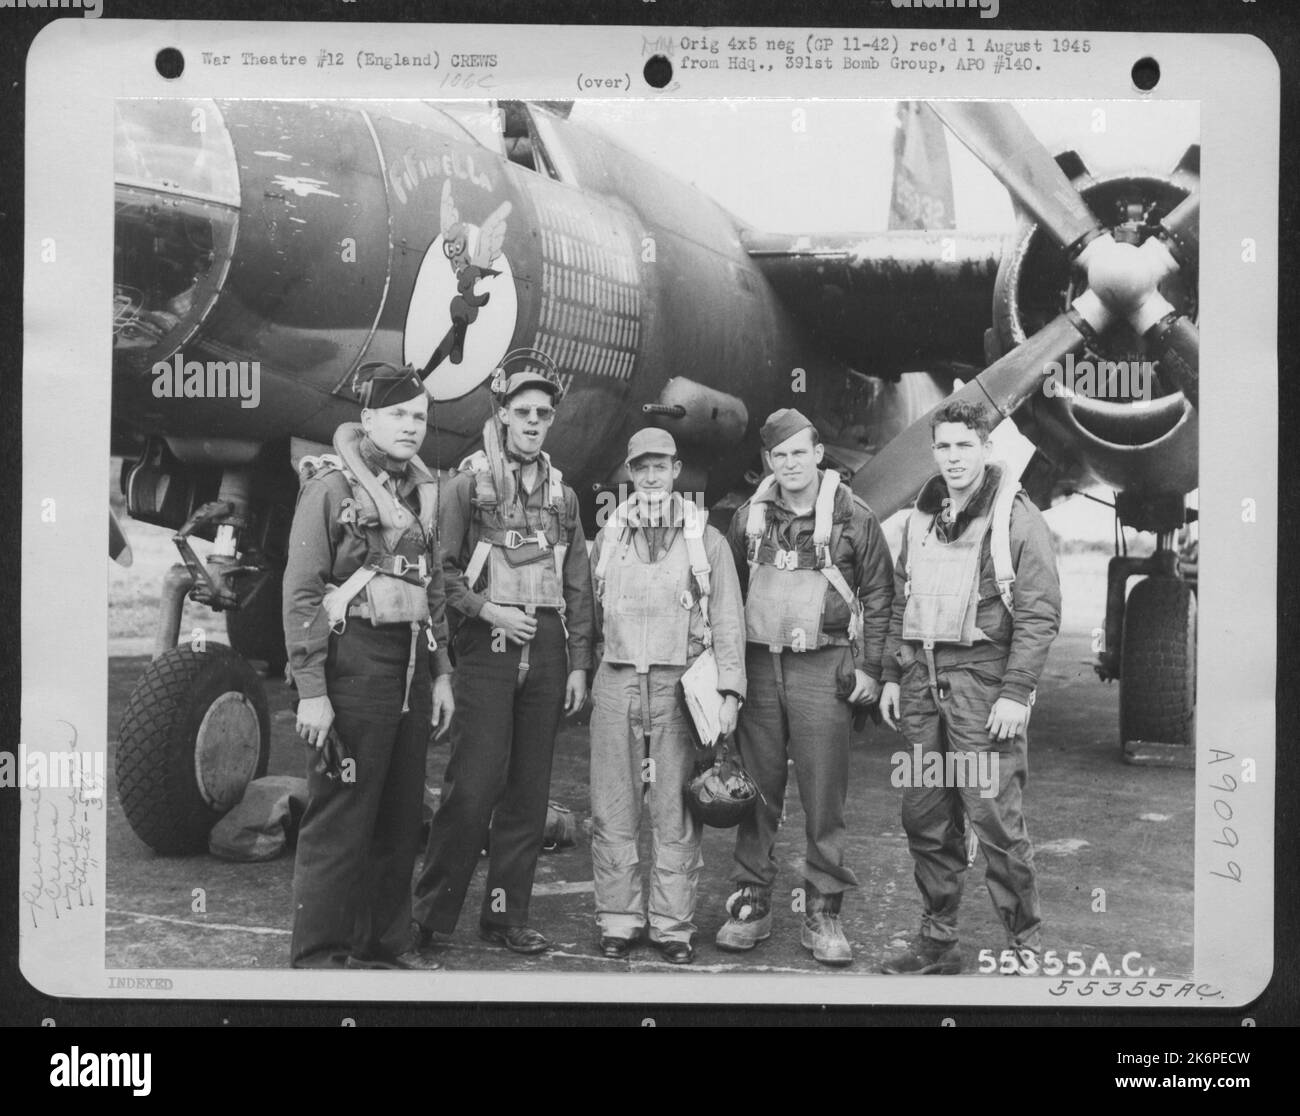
(118, 548)
(1002, 141)
(892, 478)
(1176, 341)
(1182, 229)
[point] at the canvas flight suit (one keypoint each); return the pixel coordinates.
(642, 747)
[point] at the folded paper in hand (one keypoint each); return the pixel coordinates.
(703, 702)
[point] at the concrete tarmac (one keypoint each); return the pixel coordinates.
(1113, 846)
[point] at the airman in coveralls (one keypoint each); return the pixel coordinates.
(666, 589)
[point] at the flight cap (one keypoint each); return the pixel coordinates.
(782, 424)
(381, 384)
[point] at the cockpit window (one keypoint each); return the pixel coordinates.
(523, 145)
(179, 147)
(508, 128)
(176, 217)
(479, 118)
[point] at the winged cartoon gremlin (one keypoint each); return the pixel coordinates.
(469, 267)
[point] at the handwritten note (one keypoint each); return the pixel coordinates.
(60, 860)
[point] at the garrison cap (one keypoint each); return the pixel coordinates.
(650, 440)
(381, 384)
(782, 424)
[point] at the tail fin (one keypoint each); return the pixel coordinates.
(922, 195)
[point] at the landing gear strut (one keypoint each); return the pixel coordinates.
(1150, 646)
(197, 728)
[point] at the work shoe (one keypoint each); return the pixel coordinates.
(519, 939)
(750, 921)
(924, 957)
(616, 949)
(675, 952)
(411, 959)
(821, 933)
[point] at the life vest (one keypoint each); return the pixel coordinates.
(787, 588)
(391, 585)
(648, 605)
(523, 569)
(942, 586)
(392, 582)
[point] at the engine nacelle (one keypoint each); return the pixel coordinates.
(1109, 414)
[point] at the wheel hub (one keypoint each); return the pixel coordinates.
(226, 749)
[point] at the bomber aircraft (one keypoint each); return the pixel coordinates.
(301, 239)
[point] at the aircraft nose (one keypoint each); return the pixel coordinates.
(177, 206)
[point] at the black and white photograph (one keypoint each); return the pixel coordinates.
(287, 272)
(706, 547)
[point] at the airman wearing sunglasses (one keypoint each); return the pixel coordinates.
(520, 605)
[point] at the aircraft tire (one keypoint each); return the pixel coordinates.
(256, 631)
(195, 732)
(1157, 697)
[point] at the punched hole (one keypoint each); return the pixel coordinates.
(169, 62)
(1146, 73)
(658, 71)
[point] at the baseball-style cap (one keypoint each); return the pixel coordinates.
(529, 379)
(650, 440)
(381, 384)
(538, 371)
(782, 424)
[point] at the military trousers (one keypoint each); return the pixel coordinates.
(794, 711)
(934, 817)
(498, 776)
(627, 774)
(360, 833)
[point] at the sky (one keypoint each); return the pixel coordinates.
(836, 175)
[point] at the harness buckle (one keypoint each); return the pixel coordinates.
(513, 540)
(398, 565)
(786, 560)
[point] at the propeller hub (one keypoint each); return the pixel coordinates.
(1120, 274)
(1037, 279)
